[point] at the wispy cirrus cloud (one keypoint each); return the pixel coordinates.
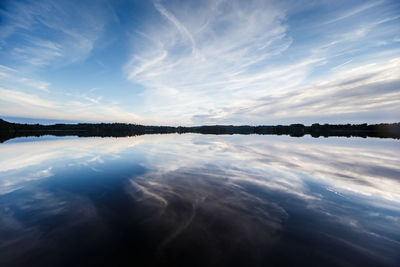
(24, 99)
(25, 96)
(50, 32)
(350, 92)
(354, 11)
(190, 62)
(244, 62)
(52, 36)
(13, 78)
(73, 107)
(197, 57)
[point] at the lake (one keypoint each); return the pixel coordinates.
(200, 200)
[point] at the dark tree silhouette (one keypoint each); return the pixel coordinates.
(11, 130)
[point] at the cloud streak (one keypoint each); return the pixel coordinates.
(189, 62)
(21, 104)
(235, 62)
(196, 58)
(351, 91)
(51, 32)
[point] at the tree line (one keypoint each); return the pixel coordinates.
(10, 130)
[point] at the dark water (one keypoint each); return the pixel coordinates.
(199, 200)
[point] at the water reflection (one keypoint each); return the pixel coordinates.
(200, 200)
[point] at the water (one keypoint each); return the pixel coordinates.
(199, 200)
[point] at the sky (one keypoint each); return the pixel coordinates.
(200, 62)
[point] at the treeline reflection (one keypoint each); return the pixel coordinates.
(11, 130)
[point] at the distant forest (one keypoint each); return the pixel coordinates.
(10, 130)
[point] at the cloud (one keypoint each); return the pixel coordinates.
(46, 36)
(28, 105)
(193, 58)
(235, 62)
(51, 32)
(23, 99)
(179, 26)
(13, 78)
(39, 99)
(190, 62)
(37, 53)
(353, 90)
(355, 11)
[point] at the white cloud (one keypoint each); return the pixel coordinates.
(71, 30)
(202, 62)
(21, 104)
(204, 57)
(236, 62)
(352, 90)
(13, 78)
(355, 11)
(179, 26)
(24, 99)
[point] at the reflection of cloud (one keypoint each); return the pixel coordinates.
(147, 193)
(9, 182)
(188, 197)
(369, 173)
(219, 174)
(373, 173)
(365, 171)
(26, 161)
(21, 230)
(207, 194)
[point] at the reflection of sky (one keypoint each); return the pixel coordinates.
(239, 197)
(25, 161)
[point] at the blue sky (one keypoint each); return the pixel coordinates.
(201, 62)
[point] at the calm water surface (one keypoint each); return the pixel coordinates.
(199, 200)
